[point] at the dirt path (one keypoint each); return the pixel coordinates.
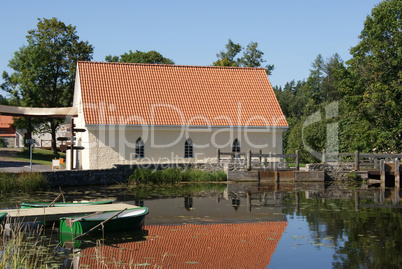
(8, 154)
(8, 163)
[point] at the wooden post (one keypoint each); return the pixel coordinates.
(324, 159)
(357, 160)
(249, 160)
(375, 163)
(297, 160)
(276, 175)
(397, 173)
(248, 201)
(376, 195)
(397, 198)
(260, 156)
(382, 173)
(357, 201)
(218, 156)
(72, 144)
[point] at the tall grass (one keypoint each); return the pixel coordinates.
(22, 182)
(23, 246)
(174, 175)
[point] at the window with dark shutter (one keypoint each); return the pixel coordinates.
(139, 149)
(188, 149)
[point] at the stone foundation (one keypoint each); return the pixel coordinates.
(9, 142)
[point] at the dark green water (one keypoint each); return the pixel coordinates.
(322, 226)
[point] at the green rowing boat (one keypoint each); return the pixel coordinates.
(2, 217)
(112, 221)
(60, 204)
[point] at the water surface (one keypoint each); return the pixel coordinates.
(245, 226)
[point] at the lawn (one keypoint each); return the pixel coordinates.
(40, 156)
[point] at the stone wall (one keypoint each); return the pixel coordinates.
(118, 174)
(9, 142)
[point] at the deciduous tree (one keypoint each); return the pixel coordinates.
(252, 56)
(152, 57)
(374, 90)
(44, 70)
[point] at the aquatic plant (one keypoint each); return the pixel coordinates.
(23, 246)
(174, 175)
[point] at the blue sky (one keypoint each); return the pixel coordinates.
(291, 33)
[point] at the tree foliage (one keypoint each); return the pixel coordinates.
(44, 70)
(367, 91)
(373, 91)
(152, 57)
(307, 106)
(252, 56)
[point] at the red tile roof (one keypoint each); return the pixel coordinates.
(151, 94)
(241, 245)
(6, 121)
(5, 129)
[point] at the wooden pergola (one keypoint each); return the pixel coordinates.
(41, 112)
(49, 112)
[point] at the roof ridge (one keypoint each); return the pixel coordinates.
(173, 65)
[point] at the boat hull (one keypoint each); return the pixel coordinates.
(128, 220)
(3, 217)
(40, 205)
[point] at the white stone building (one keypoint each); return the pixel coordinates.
(147, 113)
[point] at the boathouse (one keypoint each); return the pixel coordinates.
(150, 113)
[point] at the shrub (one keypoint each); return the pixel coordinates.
(31, 181)
(221, 176)
(171, 175)
(25, 182)
(353, 177)
(7, 182)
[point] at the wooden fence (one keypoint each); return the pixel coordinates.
(360, 160)
(263, 160)
(47, 144)
(384, 163)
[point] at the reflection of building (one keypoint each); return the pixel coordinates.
(242, 245)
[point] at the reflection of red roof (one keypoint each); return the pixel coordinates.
(5, 129)
(243, 245)
(177, 95)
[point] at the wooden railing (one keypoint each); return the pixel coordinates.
(264, 160)
(359, 160)
(369, 161)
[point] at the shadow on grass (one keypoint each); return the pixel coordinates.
(40, 156)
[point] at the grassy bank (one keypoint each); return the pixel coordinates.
(40, 156)
(174, 175)
(22, 182)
